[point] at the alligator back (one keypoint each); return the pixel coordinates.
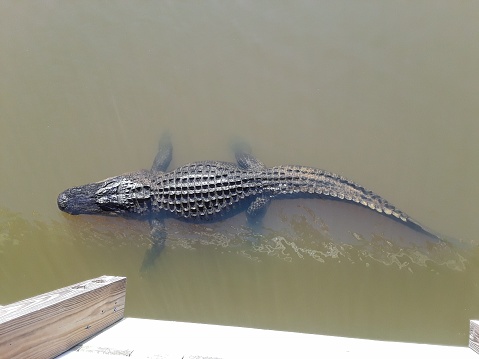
(212, 190)
(205, 190)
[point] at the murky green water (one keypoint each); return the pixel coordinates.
(384, 94)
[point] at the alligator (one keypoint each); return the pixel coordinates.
(213, 190)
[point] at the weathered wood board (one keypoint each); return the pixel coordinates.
(474, 335)
(49, 324)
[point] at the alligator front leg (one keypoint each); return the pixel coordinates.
(164, 155)
(158, 238)
(158, 230)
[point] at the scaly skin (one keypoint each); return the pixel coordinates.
(208, 191)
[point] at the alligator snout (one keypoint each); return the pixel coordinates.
(62, 202)
(79, 200)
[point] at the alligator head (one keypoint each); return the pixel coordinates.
(127, 194)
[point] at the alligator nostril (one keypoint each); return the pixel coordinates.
(62, 201)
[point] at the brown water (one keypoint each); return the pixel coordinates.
(384, 94)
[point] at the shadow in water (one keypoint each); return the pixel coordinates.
(318, 266)
(292, 230)
(322, 230)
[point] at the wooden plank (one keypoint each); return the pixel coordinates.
(474, 335)
(147, 339)
(49, 324)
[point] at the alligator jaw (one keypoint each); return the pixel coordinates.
(80, 200)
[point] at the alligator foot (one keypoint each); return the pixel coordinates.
(158, 238)
(158, 230)
(164, 155)
(151, 255)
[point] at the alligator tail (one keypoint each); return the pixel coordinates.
(299, 181)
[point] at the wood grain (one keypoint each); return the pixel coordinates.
(474, 335)
(49, 324)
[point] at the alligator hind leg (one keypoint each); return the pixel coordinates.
(158, 238)
(164, 155)
(254, 215)
(256, 211)
(245, 159)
